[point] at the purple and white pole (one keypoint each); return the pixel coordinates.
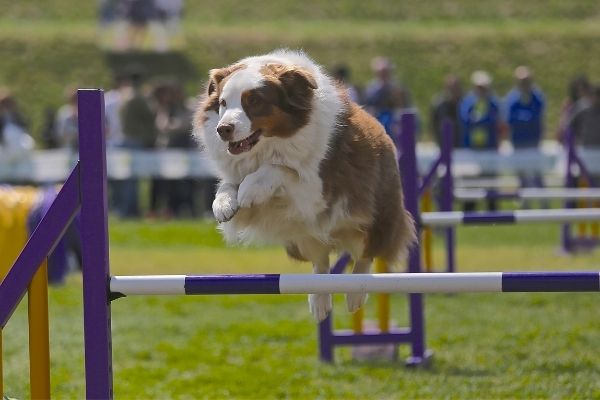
(529, 194)
(465, 282)
(94, 245)
(510, 217)
(447, 200)
(410, 185)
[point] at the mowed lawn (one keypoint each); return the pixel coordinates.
(260, 347)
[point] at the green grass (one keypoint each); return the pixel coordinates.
(259, 347)
(235, 10)
(45, 46)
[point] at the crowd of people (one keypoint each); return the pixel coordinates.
(480, 118)
(140, 116)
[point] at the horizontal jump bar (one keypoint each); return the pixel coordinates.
(510, 217)
(359, 283)
(531, 194)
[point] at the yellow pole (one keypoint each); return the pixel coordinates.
(2, 273)
(1, 373)
(427, 206)
(39, 338)
(358, 315)
(383, 299)
(357, 320)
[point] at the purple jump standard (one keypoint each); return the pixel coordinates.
(474, 282)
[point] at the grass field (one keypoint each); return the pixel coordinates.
(263, 347)
(45, 46)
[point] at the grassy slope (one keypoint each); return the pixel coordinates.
(46, 47)
(486, 346)
(234, 10)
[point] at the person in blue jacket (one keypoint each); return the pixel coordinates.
(480, 114)
(524, 108)
(480, 118)
(385, 98)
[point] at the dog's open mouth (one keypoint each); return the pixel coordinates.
(244, 145)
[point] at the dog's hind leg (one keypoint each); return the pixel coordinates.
(317, 253)
(354, 301)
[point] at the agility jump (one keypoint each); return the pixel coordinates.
(459, 282)
(85, 192)
(405, 134)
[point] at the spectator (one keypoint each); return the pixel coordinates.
(113, 101)
(174, 124)
(14, 138)
(524, 107)
(384, 96)
(580, 93)
(139, 133)
(586, 122)
(66, 121)
(479, 114)
(445, 106)
(139, 14)
(169, 13)
(48, 132)
(341, 73)
(137, 117)
(159, 190)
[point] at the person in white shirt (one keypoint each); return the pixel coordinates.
(15, 140)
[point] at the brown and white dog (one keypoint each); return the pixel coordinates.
(301, 165)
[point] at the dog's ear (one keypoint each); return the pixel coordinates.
(215, 77)
(218, 74)
(297, 83)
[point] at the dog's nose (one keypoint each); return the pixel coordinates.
(225, 131)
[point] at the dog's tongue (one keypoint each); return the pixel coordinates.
(244, 145)
(240, 147)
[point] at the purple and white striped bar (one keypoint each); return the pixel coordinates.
(510, 217)
(528, 193)
(359, 283)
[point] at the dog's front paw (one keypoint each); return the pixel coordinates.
(253, 192)
(225, 207)
(320, 305)
(354, 301)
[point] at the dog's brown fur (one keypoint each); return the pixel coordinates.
(360, 168)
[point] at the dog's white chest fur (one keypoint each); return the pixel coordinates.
(276, 186)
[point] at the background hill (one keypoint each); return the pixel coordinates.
(45, 46)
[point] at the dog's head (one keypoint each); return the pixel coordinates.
(255, 102)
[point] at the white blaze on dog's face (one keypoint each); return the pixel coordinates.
(257, 102)
(234, 124)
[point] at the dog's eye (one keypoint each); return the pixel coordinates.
(223, 103)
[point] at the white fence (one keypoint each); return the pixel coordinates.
(54, 165)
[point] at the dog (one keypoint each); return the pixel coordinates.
(301, 165)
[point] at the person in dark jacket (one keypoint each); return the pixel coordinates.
(446, 106)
